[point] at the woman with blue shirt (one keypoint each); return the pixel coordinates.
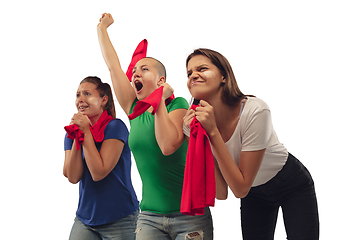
(97, 156)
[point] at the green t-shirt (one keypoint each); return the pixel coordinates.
(162, 176)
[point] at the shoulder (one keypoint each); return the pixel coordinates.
(116, 124)
(177, 103)
(116, 129)
(255, 105)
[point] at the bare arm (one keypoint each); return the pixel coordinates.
(101, 163)
(124, 92)
(168, 126)
(221, 185)
(73, 165)
(239, 179)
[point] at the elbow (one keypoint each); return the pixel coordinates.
(221, 197)
(241, 194)
(167, 149)
(73, 180)
(96, 177)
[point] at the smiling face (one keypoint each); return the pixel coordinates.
(204, 78)
(146, 78)
(89, 102)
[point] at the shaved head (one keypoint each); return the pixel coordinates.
(159, 67)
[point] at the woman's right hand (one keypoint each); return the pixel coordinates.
(190, 114)
(106, 20)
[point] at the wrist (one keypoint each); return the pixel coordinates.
(213, 133)
(101, 28)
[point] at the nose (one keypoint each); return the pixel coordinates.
(193, 76)
(79, 99)
(136, 74)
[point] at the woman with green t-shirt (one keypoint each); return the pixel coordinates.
(157, 143)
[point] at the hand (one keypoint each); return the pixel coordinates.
(82, 121)
(106, 20)
(204, 113)
(189, 116)
(167, 91)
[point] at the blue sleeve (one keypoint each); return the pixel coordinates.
(116, 129)
(67, 143)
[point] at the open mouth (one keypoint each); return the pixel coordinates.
(81, 108)
(138, 85)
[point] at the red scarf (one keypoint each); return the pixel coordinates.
(153, 100)
(199, 189)
(139, 53)
(97, 130)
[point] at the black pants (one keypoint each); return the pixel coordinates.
(293, 190)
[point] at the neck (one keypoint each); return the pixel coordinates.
(226, 117)
(94, 119)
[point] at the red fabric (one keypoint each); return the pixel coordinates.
(199, 189)
(152, 100)
(97, 130)
(139, 53)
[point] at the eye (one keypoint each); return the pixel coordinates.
(203, 69)
(189, 74)
(145, 69)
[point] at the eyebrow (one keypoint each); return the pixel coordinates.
(140, 66)
(202, 65)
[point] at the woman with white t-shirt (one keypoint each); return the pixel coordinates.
(249, 157)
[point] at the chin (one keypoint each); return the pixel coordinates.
(197, 95)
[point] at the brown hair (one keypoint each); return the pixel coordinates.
(231, 93)
(103, 89)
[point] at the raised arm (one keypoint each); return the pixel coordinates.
(124, 92)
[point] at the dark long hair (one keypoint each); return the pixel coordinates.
(231, 93)
(104, 89)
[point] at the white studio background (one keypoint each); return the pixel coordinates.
(301, 57)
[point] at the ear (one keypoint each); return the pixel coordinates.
(104, 100)
(161, 80)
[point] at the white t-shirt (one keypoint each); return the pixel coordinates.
(255, 131)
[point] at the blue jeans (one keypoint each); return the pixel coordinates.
(293, 190)
(122, 229)
(174, 226)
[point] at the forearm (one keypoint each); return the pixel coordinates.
(93, 159)
(107, 49)
(221, 185)
(230, 172)
(73, 164)
(122, 87)
(168, 136)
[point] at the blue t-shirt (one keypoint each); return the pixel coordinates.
(113, 197)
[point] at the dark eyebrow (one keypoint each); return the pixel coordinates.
(197, 67)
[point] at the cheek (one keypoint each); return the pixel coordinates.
(209, 74)
(188, 84)
(95, 101)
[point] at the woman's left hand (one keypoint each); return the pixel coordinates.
(81, 120)
(204, 113)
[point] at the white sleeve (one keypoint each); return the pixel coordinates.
(258, 130)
